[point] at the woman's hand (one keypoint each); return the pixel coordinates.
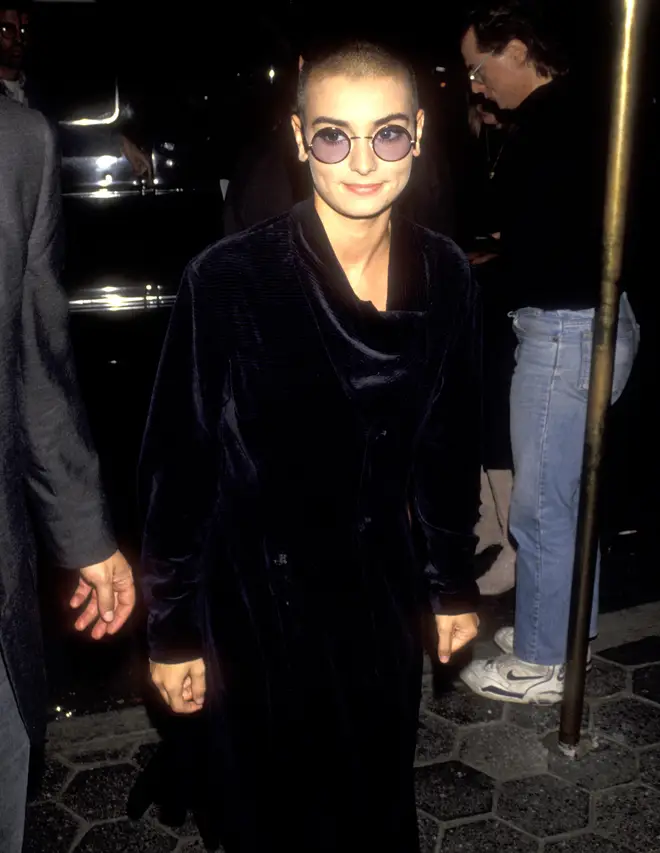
(182, 685)
(454, 632)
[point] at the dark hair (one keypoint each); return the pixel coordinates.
(354, 59)
(531, 22)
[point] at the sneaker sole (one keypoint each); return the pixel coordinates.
(502, 696)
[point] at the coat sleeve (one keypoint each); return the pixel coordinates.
(62, 472)
(178, 477)
(447, 466)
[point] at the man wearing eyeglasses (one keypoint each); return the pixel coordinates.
(552, 170)
(14, 34)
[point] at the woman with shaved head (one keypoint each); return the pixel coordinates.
(318, 395)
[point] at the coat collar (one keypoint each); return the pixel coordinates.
(408, 284)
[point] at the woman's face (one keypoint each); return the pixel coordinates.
(362, 185)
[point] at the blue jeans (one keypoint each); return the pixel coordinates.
(14, 765)
(548, 418)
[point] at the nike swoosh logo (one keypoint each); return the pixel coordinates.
(512, 677)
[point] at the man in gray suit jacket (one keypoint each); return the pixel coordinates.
(49, 473)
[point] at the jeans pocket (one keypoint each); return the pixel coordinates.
(626, 348)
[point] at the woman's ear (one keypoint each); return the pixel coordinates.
(296, 124)
(419, 132)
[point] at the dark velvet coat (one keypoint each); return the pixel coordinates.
(291, 428)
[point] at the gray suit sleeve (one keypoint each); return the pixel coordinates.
(63, 479)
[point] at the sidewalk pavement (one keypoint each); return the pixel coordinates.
(485, 781)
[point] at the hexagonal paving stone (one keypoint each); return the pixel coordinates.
(584, 844)
(464, 708)
(100, 756)
(102, 793)
(49, 827)
(646, 682)
(649, 765)
(53, 778)
(606, 766)
(636, 653)
(192, 847)
(127, 837)
(629, 721)
(144, 754)
(188, 829)
(504, 752)
(630, 816)
(429, 830)
(541, 718)
(488, 836)
(198, 847)
(544, 806)
(453, 790)
(605, 680)
(435, 738)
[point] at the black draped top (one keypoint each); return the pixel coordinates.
(293, 430)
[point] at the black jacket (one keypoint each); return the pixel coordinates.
(552, 175)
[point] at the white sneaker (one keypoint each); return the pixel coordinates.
(504, 639)
(508, 679)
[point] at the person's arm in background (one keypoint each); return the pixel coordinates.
(447, 478)
(63, 481)
(134, 129)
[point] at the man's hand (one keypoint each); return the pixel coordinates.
(454, 632)
(478, 258)
(110, 588)
(182, 685)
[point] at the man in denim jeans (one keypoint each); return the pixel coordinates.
(553, 167)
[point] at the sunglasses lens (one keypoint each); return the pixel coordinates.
(330, 145)
(392, 143)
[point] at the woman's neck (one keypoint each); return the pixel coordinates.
(355, 242)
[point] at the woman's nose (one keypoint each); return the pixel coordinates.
(363, 159)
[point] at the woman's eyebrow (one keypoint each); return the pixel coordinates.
(338, 122)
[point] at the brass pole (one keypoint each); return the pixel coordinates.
(626, 81)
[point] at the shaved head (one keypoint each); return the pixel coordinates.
(355, 60)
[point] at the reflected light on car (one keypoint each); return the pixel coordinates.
(132, 297)
(103, 193)
(105, 182)
(101, 120)
(105, 161)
